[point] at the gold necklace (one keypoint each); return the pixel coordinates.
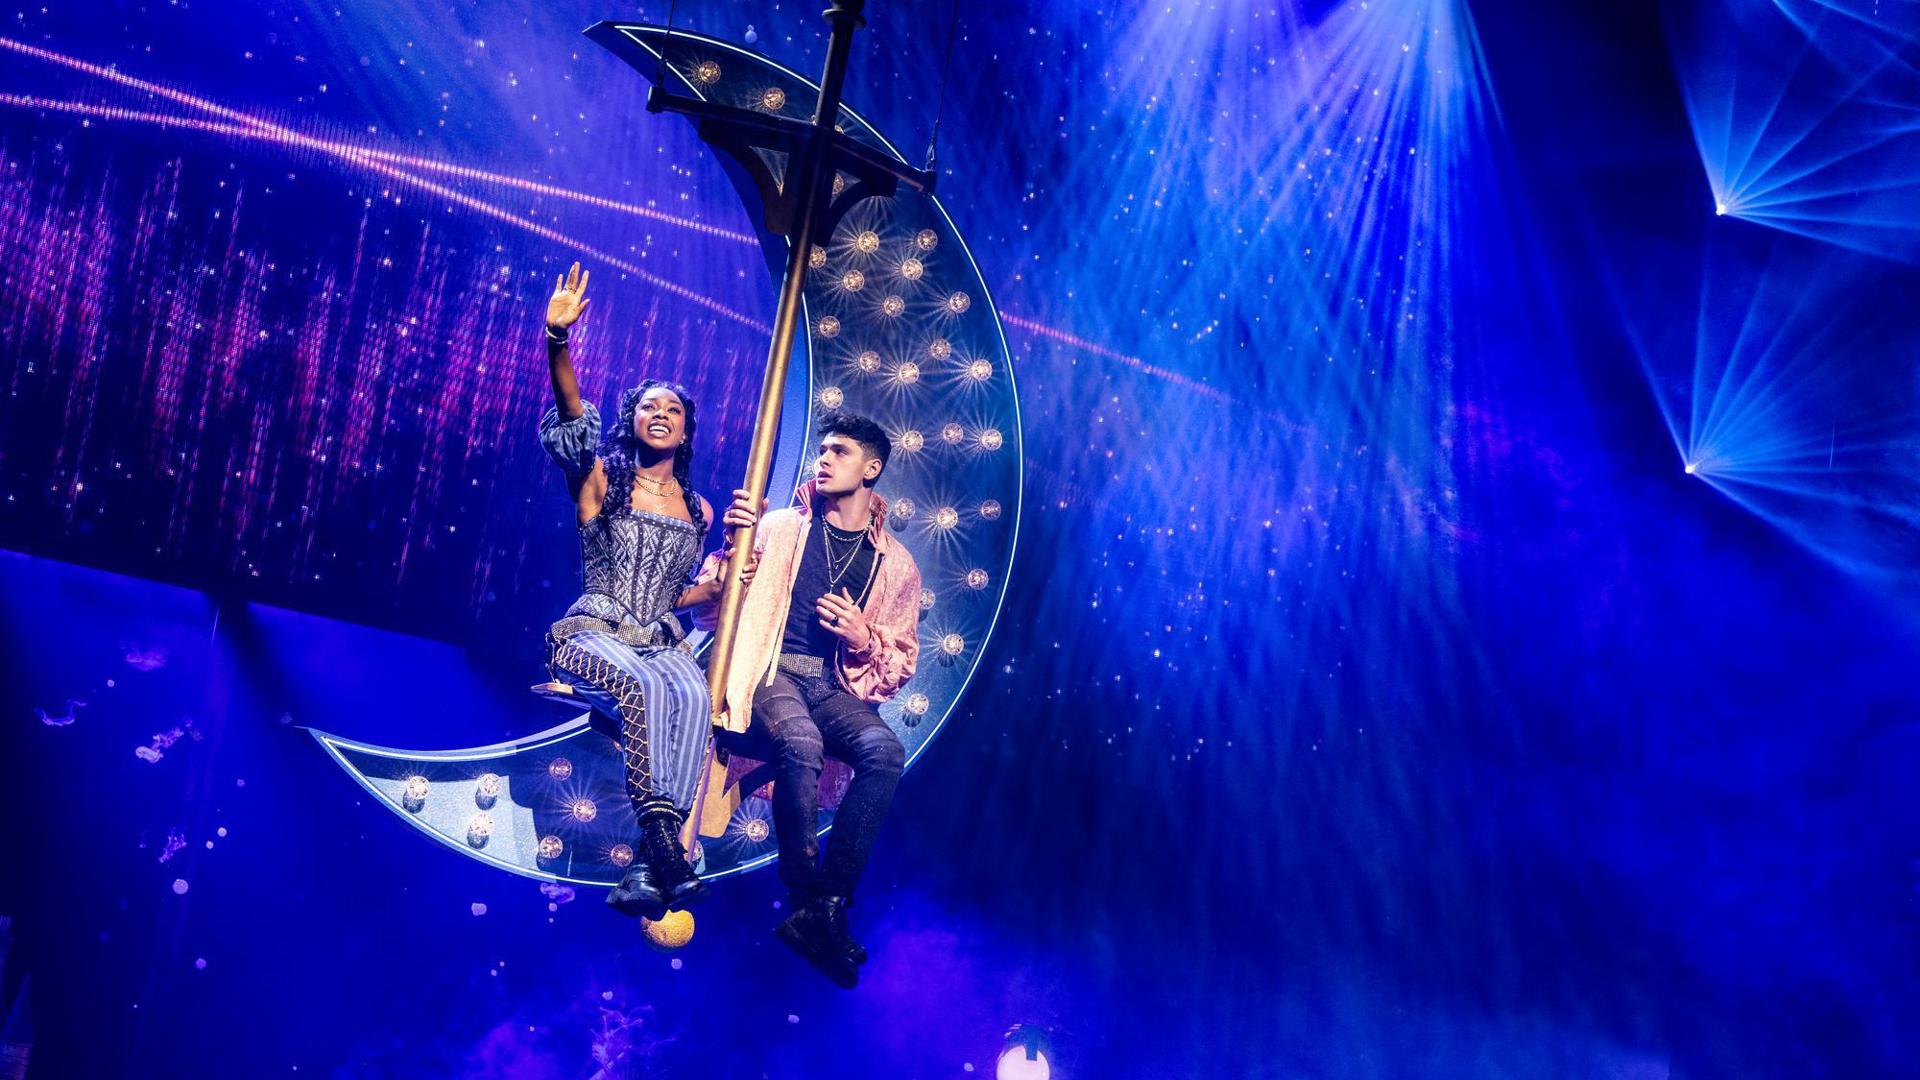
(666, 487)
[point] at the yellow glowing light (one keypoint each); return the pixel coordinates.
(910, 440)
(817, 258)
(773, 99)
(990, 510)
(867, 242)
(831, 397)
(853, 281)
(952, 433)
(953, 644)
(908, 372)
(959, 302)
(917, 704)
(828, 327)
(417, 788)
(892, 306)
(706, 73)
(559, 768)
(620, 855)
(939, 348)
(551, 847)
(946, 517)
(584, 810)
(926, 240)
(911, 268)
(976, 579)
(756, 830)
(669, 934)
(926, 599)
(868, 361)
(980, 371)
(991, 439)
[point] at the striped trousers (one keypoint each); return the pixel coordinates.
(659, 695)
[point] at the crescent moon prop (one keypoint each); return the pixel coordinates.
(900, 327)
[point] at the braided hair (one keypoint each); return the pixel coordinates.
(619, 445)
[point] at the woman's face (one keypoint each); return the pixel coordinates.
(660, 420)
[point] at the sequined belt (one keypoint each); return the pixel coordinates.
(810, 666)
(665, 630)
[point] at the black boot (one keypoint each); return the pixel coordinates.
(817, 930)
(666, 860)
(637, 895)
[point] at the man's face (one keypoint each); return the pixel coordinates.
(660, 420)
(843, 465)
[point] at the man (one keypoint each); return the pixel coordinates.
(829, 629)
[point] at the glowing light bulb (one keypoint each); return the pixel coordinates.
(910, 441)
(706, 73)
(926, 599)
(903, 510)
(1720, 209)
(479, 828)
(551, 847)
(953, 644)
(951, 434)
(892, 306)
(1692, 467)
(867, 242)
(831, 397)
(559, 768)
(959, 302)
(868, 361)
(939, 348)
(416, 788)
(926, 240)
(773, 99)
(990, 510)
(756, 830)
(911, 268)
(817, 258)
(946, 517)
(827, 327)
(908, 372)
(991, 439)
(976, 579)
(853, 281)
(980, 370)
(489, 786)
(584, 810)
(917, 704)
(620, 855)
(839, 182)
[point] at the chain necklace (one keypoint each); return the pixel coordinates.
(838, 568)
(661, 491)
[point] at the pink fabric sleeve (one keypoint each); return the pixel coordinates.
(878, 672)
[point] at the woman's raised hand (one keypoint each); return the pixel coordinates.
(569, 299)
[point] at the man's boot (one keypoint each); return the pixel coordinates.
(666, 860)
(817, 930)
(637, 894)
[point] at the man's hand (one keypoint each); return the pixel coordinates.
(569, 299)
(726, 563)
(841, 617)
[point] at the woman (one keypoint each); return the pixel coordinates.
(641, 532)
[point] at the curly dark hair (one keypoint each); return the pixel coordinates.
(618, 445)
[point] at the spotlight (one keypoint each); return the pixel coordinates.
(980, 371)
(706, 73)
(951, 434)
(479, 828)
(902, 510)
(959, 302)
(939, 348)
(1025, 1056)
(413, 795)
(917, 704)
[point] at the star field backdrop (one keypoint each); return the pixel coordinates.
(1464, 617)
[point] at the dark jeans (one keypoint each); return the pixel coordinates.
(805, 718)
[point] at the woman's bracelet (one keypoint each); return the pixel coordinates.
(556, 336)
